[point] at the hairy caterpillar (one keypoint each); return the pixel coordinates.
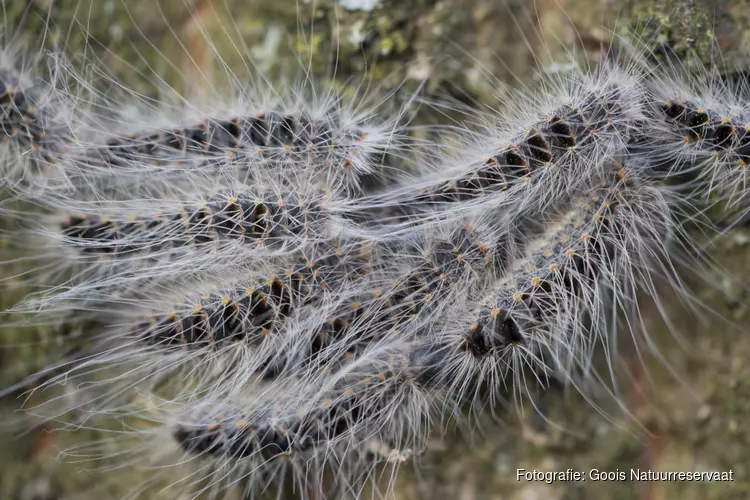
(430, 279)
(553, 307)
(335, 145)
(529, 159)
(700, 132)
(34, 132)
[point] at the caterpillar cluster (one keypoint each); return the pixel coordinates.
(293, 321)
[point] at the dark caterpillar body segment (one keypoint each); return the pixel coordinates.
(596, 119)
(28, 119)
(258, 308)
(322, 142)
(439, 267)
(531, 169)
(232, 319)
(242, 437)
(362, 403)
(212, 137)
(264, 218)
(269, 436)
(445, 264)
(722, 138)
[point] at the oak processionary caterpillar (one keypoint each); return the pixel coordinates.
(304, 296)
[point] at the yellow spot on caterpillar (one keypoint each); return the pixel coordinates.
(535, 282)
(495, 313)
(225, 301)
(517, 297)
(197, 308)
(554, 268)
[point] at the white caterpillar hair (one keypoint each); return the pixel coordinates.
(293, 284)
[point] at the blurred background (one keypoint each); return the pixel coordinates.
(692, 415)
